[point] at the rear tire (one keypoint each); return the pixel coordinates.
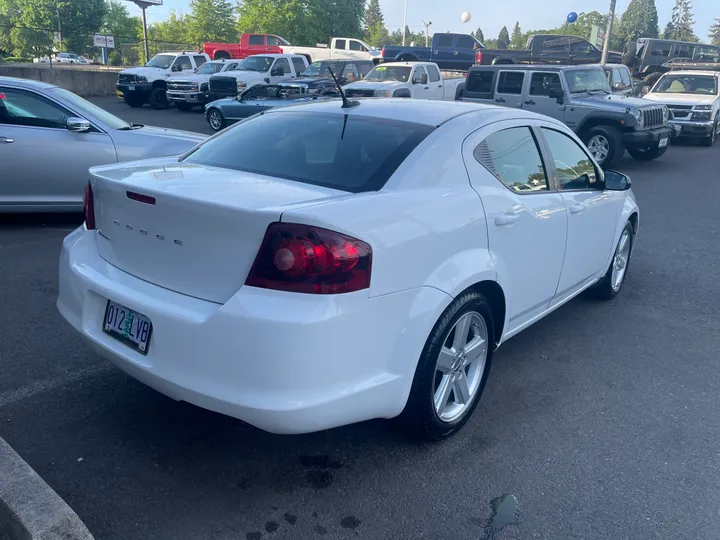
(647, 154)
(605, 144)
(186, 107)
(158, 100)
(609, 286)
(451, 364)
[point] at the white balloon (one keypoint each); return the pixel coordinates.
(465, 17)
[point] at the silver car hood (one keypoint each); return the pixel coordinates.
(151, 142)
(611, 102)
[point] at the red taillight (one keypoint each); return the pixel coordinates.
(305, 259)
(478, 57)
(281, 50)
(382, 53)
(89, 207)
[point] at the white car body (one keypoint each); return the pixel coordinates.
(246, 79)
(152, 74)
(339, 49)
(684, 106)
(192, 89)
(435, 87)
(69, 58)
(294, 362)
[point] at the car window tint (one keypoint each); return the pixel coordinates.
(21, 108)
(350, 72)
(346, 152)
(340, 44)
(356, 46)
(542, 83)
(433, 73)
(580, 46)
(625, 76)
(480, 81)
(199, 60)
(512, 156)
(444, 40)
(365, 67)
(555, 44)
(256, 40)
(182, 62)
(617, 77)
(419, 72)
(282, 63)
(510, 82)
(298, 64)
(575, 169)
(273, 41)
(465, 42)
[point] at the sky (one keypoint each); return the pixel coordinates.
(532, 14)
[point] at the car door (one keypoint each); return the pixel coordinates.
(592, 212)
(464, 52)
(182, 65)
(582, 51)
(509, 91)
(356, 50)
(255, 45)
(299, 64)
(443, 52)
(552, 50)
(419, 90)
(43, 163)
(435, 82)
(281, 63)
(526, 219)
(536, 97)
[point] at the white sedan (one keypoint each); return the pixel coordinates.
(346, 263)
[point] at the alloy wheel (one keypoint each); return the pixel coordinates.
(620, 261)
(599, 147)
(215, 120)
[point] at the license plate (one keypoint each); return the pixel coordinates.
(131, 88)
(663, 142)
(130, 327)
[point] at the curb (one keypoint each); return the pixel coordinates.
(29, 508)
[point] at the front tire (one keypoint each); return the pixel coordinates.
(647, 154)
(609, 286)
(216, 120)
(605, 144)
(453, 369)
(710, 139)
(158, 99)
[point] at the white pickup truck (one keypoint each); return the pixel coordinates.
(339, 49)
(418, 80)
(256, 69)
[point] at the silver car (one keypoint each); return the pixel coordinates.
(49, 137)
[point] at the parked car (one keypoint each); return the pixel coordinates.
(148, 84)
(261, 97)
(248, 45)
(69, 58)
(257, 69)
(693, 97)
(581, 97)
(621, 81)
(50, 136)
(460, 51)
(188, 91)
(338, 48)
(419, 80)
(330, 226)
(316, 79)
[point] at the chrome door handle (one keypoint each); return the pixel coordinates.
(576, 208)
(506, 219)
(6, 140)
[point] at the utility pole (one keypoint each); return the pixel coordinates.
(427, 33)
(145, 39)
(608, 33)
(405, 22)
(57, 10)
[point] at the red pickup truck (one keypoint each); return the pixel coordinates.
(249, 45)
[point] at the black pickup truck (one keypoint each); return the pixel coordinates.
(460, 51)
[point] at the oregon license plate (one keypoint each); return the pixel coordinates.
(132, 328)
(663, 142)
(131, 88)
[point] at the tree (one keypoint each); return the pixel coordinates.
(373, 16)
(211, 20)
(333, 18)
(479, 35)
(639, 20)
(503, 40)
(583, 26)
(715, 32)
(118, 22)
(681, 23)
(517, 41)
(282, 17)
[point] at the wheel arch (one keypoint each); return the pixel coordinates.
(495, 295)
(595, 121)
(159, 84)
(221, 55)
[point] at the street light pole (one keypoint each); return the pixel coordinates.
(57, 10)
(427, 33)
(145, 39)
(405, 22)
(608, 33)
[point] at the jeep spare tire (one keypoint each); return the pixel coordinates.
(605, 144)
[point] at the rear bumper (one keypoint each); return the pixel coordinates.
(186, 97)
(647, 137)
(286, 363)
(694, 129)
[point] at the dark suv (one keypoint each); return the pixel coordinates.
(646, 57)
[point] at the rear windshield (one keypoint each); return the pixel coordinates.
(345, 152)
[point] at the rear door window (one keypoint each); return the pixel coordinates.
(480, 83)
(510, 82)
(350, 153)
(256, 40)
(199, 60)
(298, 64)
(444, 40)
(433, 73)
(542, 83)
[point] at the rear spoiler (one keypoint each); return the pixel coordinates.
(690, 64)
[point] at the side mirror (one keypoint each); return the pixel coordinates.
(617, 85)
(277, 72)
(176, 67)
(556, 93)
(78, 125)
(645, 90)
(615, 181)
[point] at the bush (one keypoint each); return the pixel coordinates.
(18, 59)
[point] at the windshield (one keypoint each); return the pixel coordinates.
(389, 73)
(88, 110)
(320, 69)
(346, 152)
(587, 80)
(209, 68)
(161, 61)
(687, 84)
(256, 63)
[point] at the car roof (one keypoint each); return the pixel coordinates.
(26, 83)
(693, 72)
(534, 67)
(418, 111)
(278, 55)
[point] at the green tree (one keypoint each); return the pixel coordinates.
(582, 27)
(503, 40)
(479, 35)
(175, 29)
(373, 16)
(118, 22)
(282, 17)
(640, 19)
(517, 41)
(325, 19)
(715, 32)
(211, 20)
(681, 23)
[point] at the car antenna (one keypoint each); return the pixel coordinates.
(346, 103)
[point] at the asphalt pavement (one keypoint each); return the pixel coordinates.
(599, 422)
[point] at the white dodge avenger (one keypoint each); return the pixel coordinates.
(320, 265)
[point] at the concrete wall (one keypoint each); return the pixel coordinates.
(84, 82)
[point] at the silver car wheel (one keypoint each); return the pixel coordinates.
(460, 366)
(620, 261)
(215, 120)
(599, 147)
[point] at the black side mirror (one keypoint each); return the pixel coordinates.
(177, 67)
(615, 181)
(555, 93)
(277, 72)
